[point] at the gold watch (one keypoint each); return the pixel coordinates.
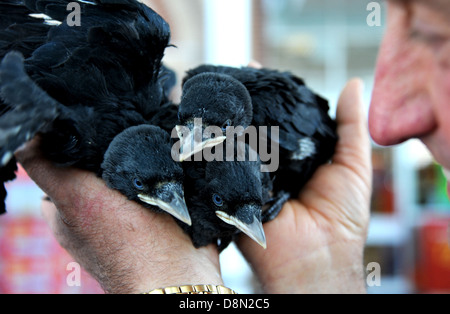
(193, 289)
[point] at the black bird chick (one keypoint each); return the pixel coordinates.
(80, 87)
(226, 96)
(139, 164)
(225, 198)
(219, 101)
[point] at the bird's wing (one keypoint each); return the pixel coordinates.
(18, 30)
(281, 99)
(31, 109)
(307, 134)
(108, 66)
(115, 52)
(96, 78)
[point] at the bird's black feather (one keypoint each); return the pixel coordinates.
(79, 86)
(7, 173)
(26, 100)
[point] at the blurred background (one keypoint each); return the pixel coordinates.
(326, 43)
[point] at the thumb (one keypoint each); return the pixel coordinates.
(350, 104)
(354, 147)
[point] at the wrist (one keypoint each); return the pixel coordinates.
(189, 267)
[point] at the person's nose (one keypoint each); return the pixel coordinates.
(401, 105)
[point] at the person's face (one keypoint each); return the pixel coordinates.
(411, 97)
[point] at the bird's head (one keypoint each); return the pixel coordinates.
(216, 101)
(138, 163)
(234, 193)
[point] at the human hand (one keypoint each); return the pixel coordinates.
(124, 246)
(316, 243)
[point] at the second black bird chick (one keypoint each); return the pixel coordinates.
(224, 199)
(139, 164)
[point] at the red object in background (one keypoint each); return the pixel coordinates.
(32, 262)
(433, 269)
(21, 175)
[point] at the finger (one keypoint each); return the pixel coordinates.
(62, 232)
(49, 212)
(350, 104)
(52, 217)
(354, 148)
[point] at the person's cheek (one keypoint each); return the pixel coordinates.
(441, 96)
(444, 63)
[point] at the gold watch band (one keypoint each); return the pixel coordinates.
(193, 289)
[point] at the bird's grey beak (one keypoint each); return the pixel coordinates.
(254, 230)
(193, 143)
(171, 200)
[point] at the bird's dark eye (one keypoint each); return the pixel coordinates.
(218, 201)
(138, 184)
(226, 125)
